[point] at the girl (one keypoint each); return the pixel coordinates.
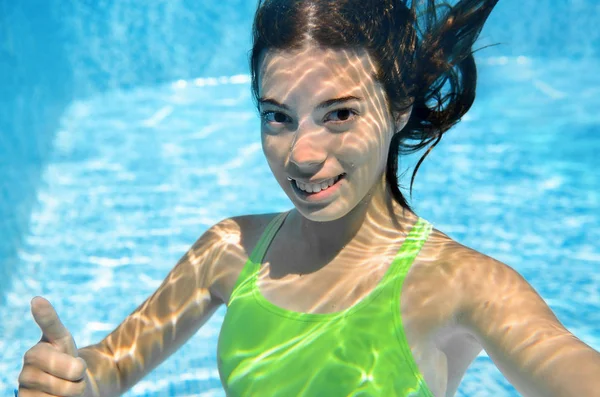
(350, 292)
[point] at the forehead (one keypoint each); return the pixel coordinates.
(315, 71)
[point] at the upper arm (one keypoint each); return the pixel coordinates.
(523, 337)
(173, 313)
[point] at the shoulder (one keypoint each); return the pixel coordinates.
(494, 303)
(471, 292)
(240, 233)
(469, 269)
(496, 296)
(483, 280)
(474, 277)
(232, 241)
(464, 284)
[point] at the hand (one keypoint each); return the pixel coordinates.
(52, 366)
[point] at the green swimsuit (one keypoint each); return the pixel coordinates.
(265, 350)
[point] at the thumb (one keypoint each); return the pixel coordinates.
(53, 331)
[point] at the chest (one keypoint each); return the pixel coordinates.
(427, 302)
(341, 286)
(266, 344)
(333, 288)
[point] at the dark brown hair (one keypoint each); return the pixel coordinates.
(424, 56)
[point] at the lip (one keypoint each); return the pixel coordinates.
(320, 196)
(317, 182)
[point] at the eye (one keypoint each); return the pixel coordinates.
(341, 115)
(272, 117)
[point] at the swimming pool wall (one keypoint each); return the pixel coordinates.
(52, 52)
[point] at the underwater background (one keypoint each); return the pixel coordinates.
(127, 129)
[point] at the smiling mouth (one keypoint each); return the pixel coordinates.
(310, 189)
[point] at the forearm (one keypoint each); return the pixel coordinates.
(565, 367)
(102, 375)
(574, 371)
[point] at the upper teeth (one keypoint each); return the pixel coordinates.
(316, 187)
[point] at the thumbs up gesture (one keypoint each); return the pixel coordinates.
(52, 366)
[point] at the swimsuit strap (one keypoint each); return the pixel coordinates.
(258, 253)
(414, 241)
(399, 266)
(254, 261)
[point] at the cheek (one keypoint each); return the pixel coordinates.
(274, 150)
(367, 149)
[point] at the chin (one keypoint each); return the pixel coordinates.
(330, 212)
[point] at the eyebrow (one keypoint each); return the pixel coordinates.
(322, 105)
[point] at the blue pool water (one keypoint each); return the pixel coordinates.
(132, 172)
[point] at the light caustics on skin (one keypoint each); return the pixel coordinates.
(322, 277)
(183, 302)
(313, 144)
(335, 280)
(306, 140)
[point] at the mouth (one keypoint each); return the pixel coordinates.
(317, 191)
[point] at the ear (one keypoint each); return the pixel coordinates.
(401, 118)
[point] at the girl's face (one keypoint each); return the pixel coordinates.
(325, 126)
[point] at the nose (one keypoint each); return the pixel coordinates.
(308, 151)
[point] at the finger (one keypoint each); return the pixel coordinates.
(61, 365)
(52, 328)
(23, 392)
(34, 379)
